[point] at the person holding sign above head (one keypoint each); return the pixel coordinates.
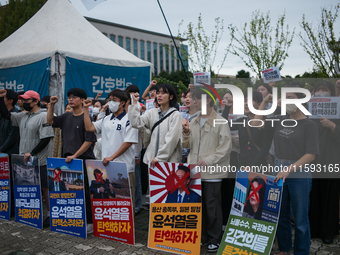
(77, 142)
(118, 137)
(183, 194)
(209, 145)
(324, 207)
(35, 134)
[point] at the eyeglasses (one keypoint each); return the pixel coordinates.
(113, 100)
(26, 100)
(72, 98)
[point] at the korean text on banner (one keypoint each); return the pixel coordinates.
(202, 77)
(271, 74)
(5, 191)
(67, 196)
(175, 208)
(103, 78)
(326, 107)
(253, 216)
(27, 191)
(34, 76)
(111, 201)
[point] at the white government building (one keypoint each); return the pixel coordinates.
(151, 46)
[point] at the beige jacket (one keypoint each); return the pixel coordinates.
(169, 149)
(210, 144)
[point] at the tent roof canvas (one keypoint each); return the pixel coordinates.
(59, 27)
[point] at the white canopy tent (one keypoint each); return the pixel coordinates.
(59, 31)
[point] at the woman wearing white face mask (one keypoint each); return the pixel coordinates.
(324, 213)
(295, 148)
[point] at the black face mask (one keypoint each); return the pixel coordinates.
(43, 106)
(27, 106)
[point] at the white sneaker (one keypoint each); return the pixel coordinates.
(89, 228)
(213, 247)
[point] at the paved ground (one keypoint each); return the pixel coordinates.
(18, 239)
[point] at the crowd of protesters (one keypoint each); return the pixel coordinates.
(123, 129)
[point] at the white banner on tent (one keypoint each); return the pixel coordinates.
(90, 4)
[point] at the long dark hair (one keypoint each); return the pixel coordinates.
(247, 208)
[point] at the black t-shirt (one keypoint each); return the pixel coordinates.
(74, 134)
(292, 143)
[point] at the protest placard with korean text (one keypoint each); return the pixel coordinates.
(27, 191)
(175, 208)
(5, 192)
(253, 216)
(271, 74)
(326, 107)
(111, 201)
(66, 194)
(202, 77)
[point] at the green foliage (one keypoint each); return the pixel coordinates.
(203, 48)
(242, 74)
(178, 84)
(15, 14)
(322, 44)
(259, 45)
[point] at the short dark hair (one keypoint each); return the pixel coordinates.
(186, 92)
(197, 91)
(154, 87)
(21, 93)
(58, 168)
(257, 96)
(12, 95)
(132, 88)
(269, 88)
(77, 92)
(119, 94)
(169, 89)
(45, 99)
(128, 95)
(299, 95)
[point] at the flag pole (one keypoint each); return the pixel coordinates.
(173, 40)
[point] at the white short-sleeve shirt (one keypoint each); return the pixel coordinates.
(115, 131)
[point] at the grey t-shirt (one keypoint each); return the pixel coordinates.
(33, 128)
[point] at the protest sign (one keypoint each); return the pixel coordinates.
(150, 104)
(175, 208)
(326, 107)
(5, 192)
(67, 197)
(27, 191)
(202, 77)
(111, 201)
(184, 112)
(253, 216)
(271, 74)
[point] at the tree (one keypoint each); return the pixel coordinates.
(257, 45)
(203, 48)
(321, 43)
(242, 74)
(15, 14)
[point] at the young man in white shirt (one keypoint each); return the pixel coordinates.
(118, 136)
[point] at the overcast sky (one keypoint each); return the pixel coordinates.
(145, 14)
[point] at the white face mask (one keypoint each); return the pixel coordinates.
(113, 106)
(322, 94)
(291, 108)
(95, 111)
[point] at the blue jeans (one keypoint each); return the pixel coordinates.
(138, 188)
(295, 192)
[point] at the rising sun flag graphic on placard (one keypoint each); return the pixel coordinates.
(162, 180)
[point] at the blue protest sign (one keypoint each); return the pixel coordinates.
(66, 195)
(5, 192)
(27, 191)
